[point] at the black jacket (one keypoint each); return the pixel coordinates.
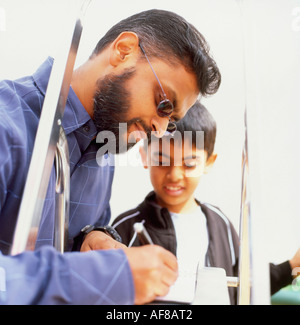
(223, 249)
(223, 245)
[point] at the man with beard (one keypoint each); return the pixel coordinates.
(147, 71)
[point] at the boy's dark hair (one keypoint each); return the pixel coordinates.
(168, 36)
(196, 119)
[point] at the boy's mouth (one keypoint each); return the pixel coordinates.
(173, 189)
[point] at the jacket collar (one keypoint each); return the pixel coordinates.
(160, 217)
(75, 115)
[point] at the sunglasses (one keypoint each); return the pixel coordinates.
(165, 107)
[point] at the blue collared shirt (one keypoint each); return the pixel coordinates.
(90, 190)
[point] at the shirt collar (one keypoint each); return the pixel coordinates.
(75, 115)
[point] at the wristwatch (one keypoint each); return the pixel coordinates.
(106, 229)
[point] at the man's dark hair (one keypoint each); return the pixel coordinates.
(168, 36)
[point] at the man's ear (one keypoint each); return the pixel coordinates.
(124, 48)
(144, 156)
(209, 162)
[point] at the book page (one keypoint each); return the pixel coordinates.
(183, 290)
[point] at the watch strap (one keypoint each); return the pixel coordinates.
(109, 230)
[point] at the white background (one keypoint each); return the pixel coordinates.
(268, 82)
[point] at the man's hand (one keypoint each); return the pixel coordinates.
(99, 240)
(154, 270)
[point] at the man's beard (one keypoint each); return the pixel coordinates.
(111, 105)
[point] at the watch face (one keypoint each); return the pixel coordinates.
(107, 229)
(113, 233)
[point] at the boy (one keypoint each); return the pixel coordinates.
(197, 233)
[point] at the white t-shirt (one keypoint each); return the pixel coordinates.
(192, 238)
(192, 243)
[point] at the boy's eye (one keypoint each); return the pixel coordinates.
(190, 164)
(160, 161)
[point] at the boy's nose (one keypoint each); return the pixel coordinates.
(159, 125)
(175, 173)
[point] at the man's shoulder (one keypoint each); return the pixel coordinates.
(17, 96)
(19, 88)
(20, 102)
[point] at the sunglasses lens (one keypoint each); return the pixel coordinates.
(171, 127)
(165, 108)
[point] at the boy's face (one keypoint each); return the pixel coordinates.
(175, 173)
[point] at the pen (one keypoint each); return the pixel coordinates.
(142, 233)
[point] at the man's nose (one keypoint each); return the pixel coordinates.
(159, 125)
